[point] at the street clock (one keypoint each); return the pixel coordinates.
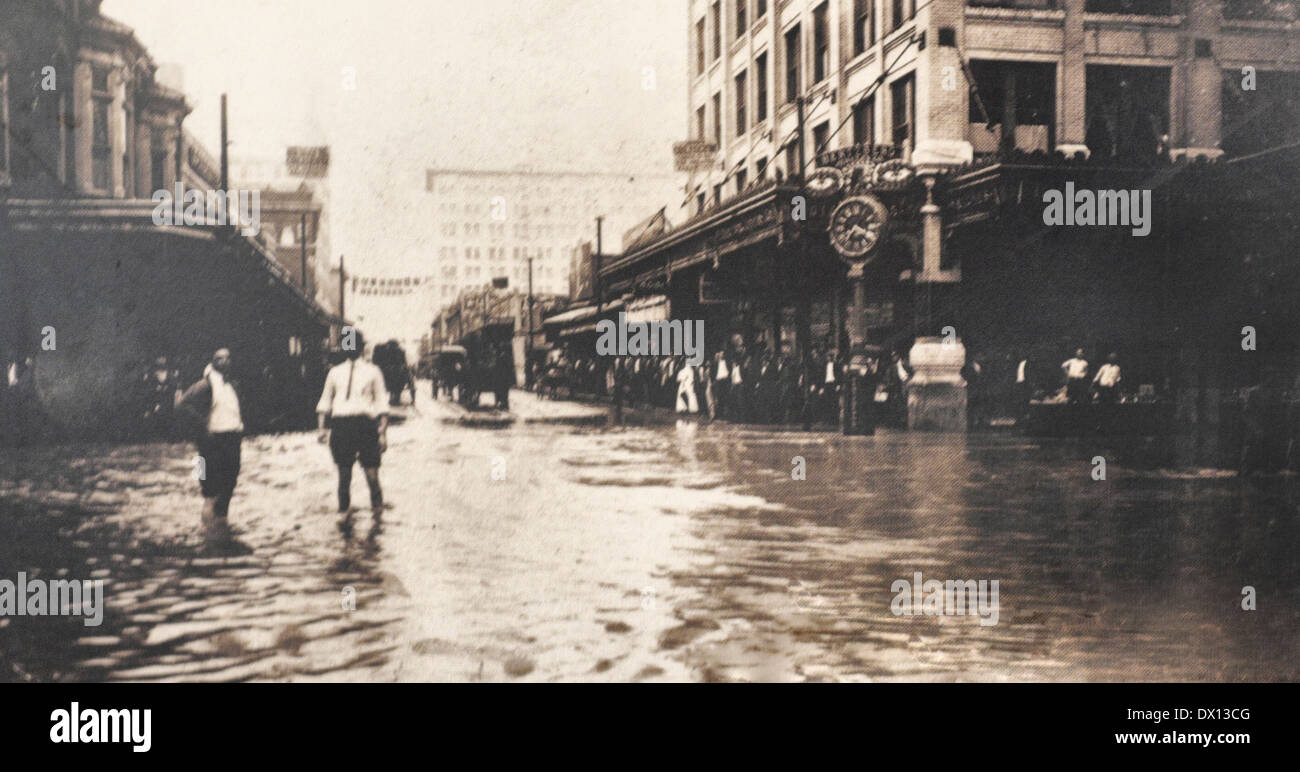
(893, 175)
(857, 225)
(825, 182)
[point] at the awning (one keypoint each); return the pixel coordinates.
(653, 308)
(572, 315)
(583, 313)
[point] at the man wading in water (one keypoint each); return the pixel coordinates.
(355, 402)
(217, 422)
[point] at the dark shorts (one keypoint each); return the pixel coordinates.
(353, 437)
(220, 454)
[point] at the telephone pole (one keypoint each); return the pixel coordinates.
(528, 357)
(596, 264)
(225, 161)
(302, 240)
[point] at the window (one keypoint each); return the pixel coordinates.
(1127, 111)
(742, 24)
(740, 103)
(821, 45)
(717, 119)
(699, 122)
(699, 47)
(100, 148)
(1264, 118)
(864, 25)
(717, 194)
(864, 130)
(903, 10)
(699, 203)
(821, 134)
(1019, 98)
(792, 54)
(902, 95)
(1037, 4)
(760, 82)
(760, 169)
(760, 8)
(1140, 7)
(740, 181)
(792, 159)
(717, 30)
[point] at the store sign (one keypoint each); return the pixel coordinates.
(693, 155)
(308, 161)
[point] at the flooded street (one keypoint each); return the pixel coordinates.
(687, 552)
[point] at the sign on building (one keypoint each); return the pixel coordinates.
(308, 161)
(693, 155)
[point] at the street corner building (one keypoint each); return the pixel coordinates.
(93, 291)
(869, 176)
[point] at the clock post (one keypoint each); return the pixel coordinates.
(860, 385)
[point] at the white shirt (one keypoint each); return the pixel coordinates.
(1020, 370)
(686, 376)
(1075, 367)
(354, 388)
(723, 374)
(1107, 376)
(830, 372)
(224, 415)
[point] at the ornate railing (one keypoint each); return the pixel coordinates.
(1262, 10)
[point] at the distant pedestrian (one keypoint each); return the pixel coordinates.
(686, 399)
(1076, 378)
(353, 406)
(212, 407)
(1107, 381)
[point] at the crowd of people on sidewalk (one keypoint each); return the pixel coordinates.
(757, 386)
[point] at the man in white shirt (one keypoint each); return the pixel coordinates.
(355, 404)
(1107, 380)
(1076, 378)
(212, 404)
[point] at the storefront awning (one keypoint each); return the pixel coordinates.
(575, 315)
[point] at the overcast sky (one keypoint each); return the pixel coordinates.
(552, 84)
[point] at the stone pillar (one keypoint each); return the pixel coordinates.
(1072, 125)
(936, 393)
(143, 158)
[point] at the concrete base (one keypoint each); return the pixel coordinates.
(936, 392)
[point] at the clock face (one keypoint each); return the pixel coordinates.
(856, 226)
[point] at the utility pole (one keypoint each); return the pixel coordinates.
(528, 359)
(225, 161)
(343, 280)
(596, 262)
(303, 242)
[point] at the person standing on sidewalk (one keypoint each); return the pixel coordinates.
(213, 408)
(354, 403)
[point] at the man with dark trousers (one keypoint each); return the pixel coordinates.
(354, 402)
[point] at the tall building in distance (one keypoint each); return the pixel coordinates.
(487, 224)
(947, 79)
